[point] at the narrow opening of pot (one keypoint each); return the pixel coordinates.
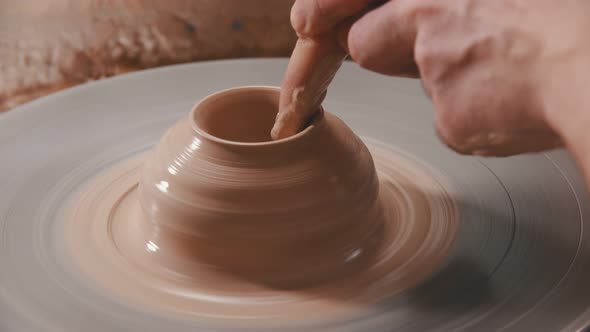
(240, 115)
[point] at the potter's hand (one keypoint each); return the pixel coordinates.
(318, 54)
(504, 76)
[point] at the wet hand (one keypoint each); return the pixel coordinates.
(491, 68)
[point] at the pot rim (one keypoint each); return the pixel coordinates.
(319, 118)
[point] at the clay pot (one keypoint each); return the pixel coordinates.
(290, 213)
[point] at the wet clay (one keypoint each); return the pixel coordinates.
(218, 221)
(287, 213)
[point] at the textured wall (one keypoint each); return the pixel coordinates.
(48, 45)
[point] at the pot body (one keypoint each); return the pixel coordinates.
(287, 213)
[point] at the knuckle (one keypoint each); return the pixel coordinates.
(451, 138)
(452, 129)
(355, 48)
(308, 17)
(425, 58)
(298, 16)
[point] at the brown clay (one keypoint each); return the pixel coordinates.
(285, 213)
(220, 221)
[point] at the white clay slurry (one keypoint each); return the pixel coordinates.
(257, 231)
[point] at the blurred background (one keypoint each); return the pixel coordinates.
(48, 45)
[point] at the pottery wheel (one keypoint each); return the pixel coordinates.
(520, 259)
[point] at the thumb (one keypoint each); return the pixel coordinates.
(383, 39)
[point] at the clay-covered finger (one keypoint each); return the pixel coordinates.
(311, 18)
(313, 64)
